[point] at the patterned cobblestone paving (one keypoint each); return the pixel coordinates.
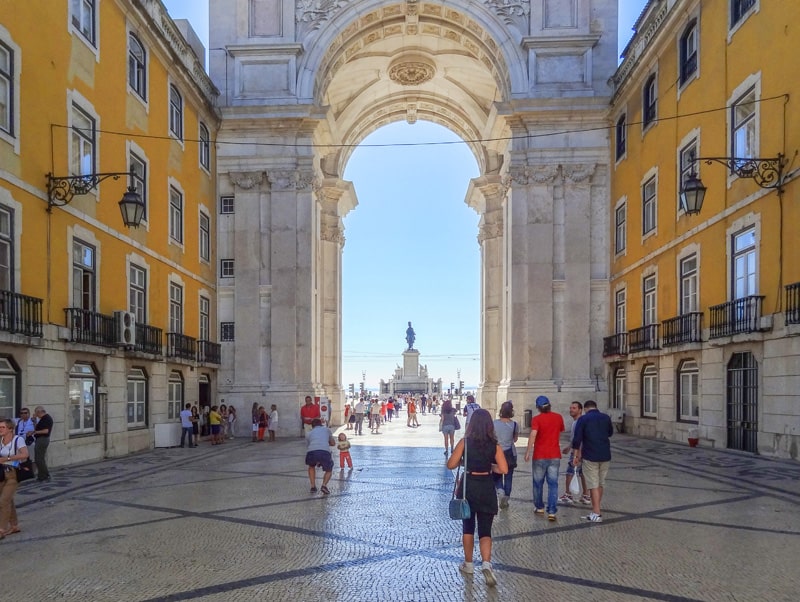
(237, 523)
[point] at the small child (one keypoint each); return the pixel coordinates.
(344, 451)
(273, 422)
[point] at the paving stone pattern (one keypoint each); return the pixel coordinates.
(237, 522)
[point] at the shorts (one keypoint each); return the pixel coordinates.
(571, 468)
(595, 473)
(448, 429)
(215, 429)
(320, 458)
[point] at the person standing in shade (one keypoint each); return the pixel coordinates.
(359, 414)
(186, 424)
(254, 421)
(308, 413)
(273, 421)
(25, 426)
(544, 447)
(319, 439)
(591, 445)
(507, 432)
(575, 412)
(44, 428)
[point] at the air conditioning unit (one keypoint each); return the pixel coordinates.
(126, 328)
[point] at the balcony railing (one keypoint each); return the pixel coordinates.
(616, 344)
(20, 314)
(179, 345)
(793, 303)
(86, 326)
(687, 328)
(208, 352)
(737, 316)
(149, 339)
(644, 338)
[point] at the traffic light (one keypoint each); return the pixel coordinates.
(451, 386)
(352, 390)
(461, 387)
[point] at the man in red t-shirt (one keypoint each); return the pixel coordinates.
(544, 447)
(308, 412)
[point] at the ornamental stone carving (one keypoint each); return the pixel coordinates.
(538, 174)
(578, 172)
(489, 231)
(316, 12)
(246, 179)
(332, 233)
(510, 8)
(411, 71)
(290, 179)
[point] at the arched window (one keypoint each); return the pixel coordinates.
(688, 52)
(649, 101)
(174, 395)
(137, 67)
(649, 391)
(137, 398)
(618, 400)
(83, 412)
(689, 391)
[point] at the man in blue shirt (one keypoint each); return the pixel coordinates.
(319, 439)
(591, 444)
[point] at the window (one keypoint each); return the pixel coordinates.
(6, 249)
(618, 399)
(619, 311)
(82, 400)
(205, 323)
(688, 164)
(139, 179)
(743, 126)
(175, 308)
(205, 147)
(175, 112)
(83, 275)
(137, 398)
(744, 264)
(226, 330)
(620, 228)
(649, 102)
(82, 15)
(174, 396)
(175, 215)
(622, 137)
(205, 237)
(6, 89)
(226, 204)
(137, 296)
(649, 313)
(137, 67)
(84, 138)
(9, 376)
(688, 390)
(649, 391)
(688, 52)
(688, 269)
(739, 9)
(226, 267)
(649, 206)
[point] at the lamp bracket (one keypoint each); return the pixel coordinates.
(767, 172)
(61, 190)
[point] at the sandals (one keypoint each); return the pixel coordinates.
(313, 490)
(325, 490)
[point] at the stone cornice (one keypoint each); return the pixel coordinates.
(548, 174)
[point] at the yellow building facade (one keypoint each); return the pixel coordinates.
(110, 328)
(705, 307)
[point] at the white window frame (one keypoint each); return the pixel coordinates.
(649, 300)
(205, 236)
(227, 268)
(137, 67)
(137, 398)
(618, 398)
(176, 307)
(175, 106)
(687, 50)
(204, 312)
(13, 134)
(688, 284)
(744, 128)
(177, 210)
(650, 97)
(137, 291)
(9, 379)
(83, 381)
(649, 206)
(227, 331)
(83, 15)
(175, 391)
(689, 391)
(649, 376)
(204, 147)
(621, 125)
(81, 270)
(7, 249)
(744, 264)
(620, 310)
(621, 226)
(82, 139)
(734, 25)
(227, 204)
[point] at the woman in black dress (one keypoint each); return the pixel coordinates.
(482, 452)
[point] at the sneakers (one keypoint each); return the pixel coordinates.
(467, 568)
(503, 500)
(325, 490)
(488, 575)
(593, 518)
(313, 490)
(585, 499)
(551, 518)
(566, 499)
(539, 511)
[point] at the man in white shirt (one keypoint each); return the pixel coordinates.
(469, 409)
(186, 425)
(359, 413)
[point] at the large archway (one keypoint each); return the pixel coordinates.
(304, 82)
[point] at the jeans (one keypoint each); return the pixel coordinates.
(359, 424)
(40, 457)
(546, 469)
(186, 430)
(504, 481)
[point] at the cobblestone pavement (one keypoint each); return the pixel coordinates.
(237, 522)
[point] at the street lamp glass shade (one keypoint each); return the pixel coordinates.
(692, 194)
(132, 208)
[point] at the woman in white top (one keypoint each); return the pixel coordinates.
(12, 451)
(231, 421)
(273, 421)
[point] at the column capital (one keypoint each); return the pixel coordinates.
(491, 230)
(290, 179)
(533, 174)
(578, 172)
(246, 179)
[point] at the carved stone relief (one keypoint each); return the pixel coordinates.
(290, 179)
(246, 179)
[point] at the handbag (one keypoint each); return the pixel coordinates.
(25, 468)
(459, 506)
(457, 424)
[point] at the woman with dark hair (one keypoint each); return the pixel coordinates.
(507, 432)
(447, 424)
(480, 447)
(12, 451)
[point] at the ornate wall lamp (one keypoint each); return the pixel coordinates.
(767, 173)
(61, 190)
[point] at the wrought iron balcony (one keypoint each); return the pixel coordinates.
(179, 345)
(737, 316)
(616, 344)
(793, 303)
(20, 314)
(208, 352)
(86, 326)
(644, 338)
(686, 328)
(149, 339)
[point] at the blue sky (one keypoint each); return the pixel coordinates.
(411, 251)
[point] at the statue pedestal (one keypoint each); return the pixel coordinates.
(410, 363)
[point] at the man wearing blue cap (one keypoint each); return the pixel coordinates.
(544, 448)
